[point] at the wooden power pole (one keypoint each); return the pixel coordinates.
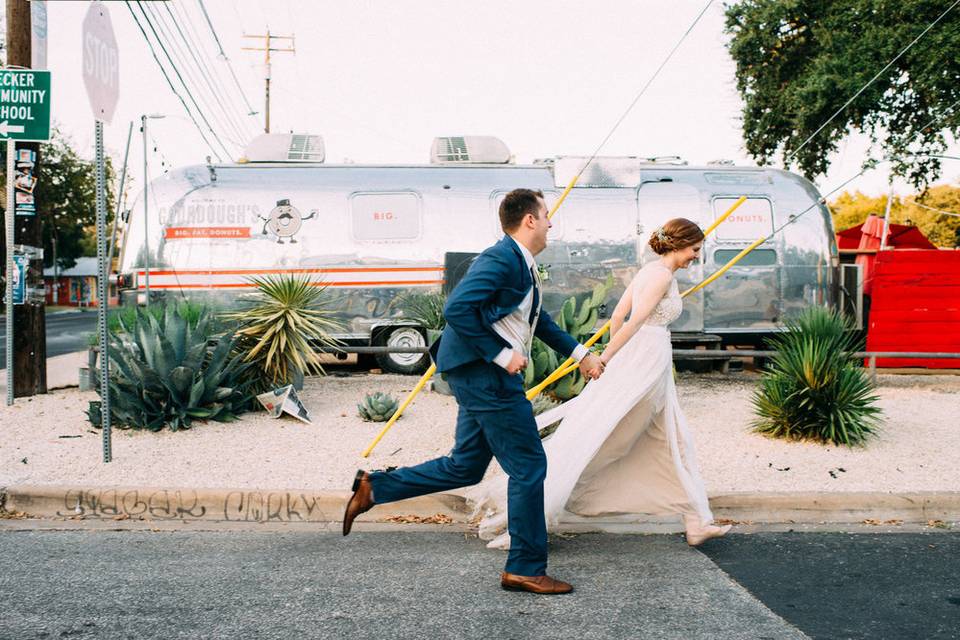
(29, 323)
(266, 48)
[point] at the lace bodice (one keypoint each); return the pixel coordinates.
(670, 306)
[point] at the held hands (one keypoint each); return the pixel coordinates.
(518, 362)
(591, 366)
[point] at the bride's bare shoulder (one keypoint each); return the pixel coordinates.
(653, 272)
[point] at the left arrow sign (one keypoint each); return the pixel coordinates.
(6, 128)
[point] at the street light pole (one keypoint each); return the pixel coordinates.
(146, 199)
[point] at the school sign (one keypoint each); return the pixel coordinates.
(24, 105)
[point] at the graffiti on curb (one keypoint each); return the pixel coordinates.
(255, 506)
(184, 504)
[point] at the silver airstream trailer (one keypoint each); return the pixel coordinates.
(372, 232)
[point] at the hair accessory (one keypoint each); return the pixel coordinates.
(661, 236)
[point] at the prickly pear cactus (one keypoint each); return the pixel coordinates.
(378, 407)
(578, 320)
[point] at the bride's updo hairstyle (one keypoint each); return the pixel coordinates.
(674, 235)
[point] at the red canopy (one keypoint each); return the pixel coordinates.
(868, 234)
(866, 238)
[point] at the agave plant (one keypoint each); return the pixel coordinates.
(813, 389)
(164, 372)
(277, 334)
(378, 407)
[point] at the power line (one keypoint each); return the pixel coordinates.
(940, 211)
(189, 70)
(242, 118)
(173, 65)
(647, 86)
(170, 84)
(216, 39)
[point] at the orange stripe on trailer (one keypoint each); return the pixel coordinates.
(244, 285)
(236, 272)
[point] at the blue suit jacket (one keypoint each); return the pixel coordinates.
(495, 285)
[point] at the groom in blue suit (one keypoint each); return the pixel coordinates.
(492, 316)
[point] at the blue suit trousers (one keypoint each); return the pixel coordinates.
(495, 419)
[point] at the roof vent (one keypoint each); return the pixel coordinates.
(677, 160)
(285, 147)
(600, 171)
(469, 150)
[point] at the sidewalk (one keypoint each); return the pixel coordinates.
(263, 470)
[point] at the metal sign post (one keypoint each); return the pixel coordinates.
(24, 115)
(11, 167)
(101, 76)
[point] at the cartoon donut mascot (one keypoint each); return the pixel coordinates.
(284, 221)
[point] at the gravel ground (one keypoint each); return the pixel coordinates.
(47, 440)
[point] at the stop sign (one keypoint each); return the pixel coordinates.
(101, 62)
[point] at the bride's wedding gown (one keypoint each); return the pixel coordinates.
(623, 445)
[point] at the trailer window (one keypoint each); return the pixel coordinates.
(752, 219)
(385, 216)
(756, 258)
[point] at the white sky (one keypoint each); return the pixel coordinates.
(378, 79)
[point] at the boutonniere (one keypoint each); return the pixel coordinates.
(543, 272)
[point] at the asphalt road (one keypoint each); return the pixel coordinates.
(66, 332)
(243, 584)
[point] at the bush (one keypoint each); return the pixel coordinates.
(277, 333)
(813, 389)
(165, 371)
(122, 317)
(425, 309)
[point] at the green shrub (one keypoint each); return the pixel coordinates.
(278, 331)
(425, 309)
(813, 389)
(126, 316)
(164, 371)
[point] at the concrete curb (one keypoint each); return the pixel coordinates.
(263, 506)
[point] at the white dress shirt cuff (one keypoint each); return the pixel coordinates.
(579, 353)
(503, 358)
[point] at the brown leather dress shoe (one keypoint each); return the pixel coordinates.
(361, 500)
(534, 584)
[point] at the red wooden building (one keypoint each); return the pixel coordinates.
(913, 290)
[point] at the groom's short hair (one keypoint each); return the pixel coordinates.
(516, 205)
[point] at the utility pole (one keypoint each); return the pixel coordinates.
(29, 322)
(267, 49)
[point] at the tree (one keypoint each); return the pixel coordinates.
(799, 61)
(933, 212)
(66, 197)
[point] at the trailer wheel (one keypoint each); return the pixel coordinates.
(405, 363)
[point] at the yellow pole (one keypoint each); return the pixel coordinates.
(733, 207)
(567, 366)
(423, 380)
(563, 196)
(724, 268)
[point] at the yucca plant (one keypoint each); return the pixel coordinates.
(278, 331)
(814, 389)
(377, 407)
(164, 372)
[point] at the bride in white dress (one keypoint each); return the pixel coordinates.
(623, 445)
